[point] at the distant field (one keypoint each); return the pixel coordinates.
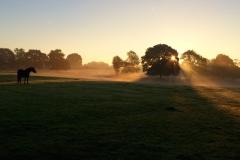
(60, 118)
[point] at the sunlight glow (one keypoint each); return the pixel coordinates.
(173, 58)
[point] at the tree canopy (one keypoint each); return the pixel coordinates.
(194, 59)
(130, 65)
(96, 65)
(161, 60)
(7, 58)
(37, 59)
(117, 64)
(223, 60)
(57, 60)
(75, 60)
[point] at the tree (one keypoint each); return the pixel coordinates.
(96, 65)
(131, 65)
(7, 59)
(223, 60)
(37, 59)
(75, 60)
(161, 60)
(57, 60)
(192, 58)
(21, 58)
(133, 58)
(117, 64)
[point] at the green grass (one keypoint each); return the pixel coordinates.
(106, 120)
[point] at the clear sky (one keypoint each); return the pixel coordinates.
(101, 29)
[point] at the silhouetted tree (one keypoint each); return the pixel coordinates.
(131, 65)
(21, 57)
(133, 58)
(37, 59)
(117, 64)
(7, 59)
(75, 60)
(57, 60)
(192, 58)
(96, 65)
(223, 60)
(223, 66)
(161, 60)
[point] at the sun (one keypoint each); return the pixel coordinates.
(173, 58)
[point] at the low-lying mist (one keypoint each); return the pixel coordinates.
(184, 78)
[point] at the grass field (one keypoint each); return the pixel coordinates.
(59, 119)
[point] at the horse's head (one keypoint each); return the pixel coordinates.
(32, 69)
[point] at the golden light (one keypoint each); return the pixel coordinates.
(173, 58)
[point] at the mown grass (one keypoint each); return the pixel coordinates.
(106, 120)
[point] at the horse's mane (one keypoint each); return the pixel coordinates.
(30, 69)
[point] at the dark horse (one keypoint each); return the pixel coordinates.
(24, 74)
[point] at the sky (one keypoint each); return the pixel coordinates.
(101, 29)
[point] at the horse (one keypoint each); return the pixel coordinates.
(24, 74)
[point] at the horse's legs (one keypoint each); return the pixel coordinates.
(19, 80)
(27, 80)
(24, 80)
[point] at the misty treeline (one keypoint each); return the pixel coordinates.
(163, 60)
(19, 58)
(222, 66)
(55, 60)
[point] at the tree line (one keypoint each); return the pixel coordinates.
(163, 60)
(19, 58)
(130, 65)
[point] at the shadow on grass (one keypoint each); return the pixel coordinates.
(102, 120)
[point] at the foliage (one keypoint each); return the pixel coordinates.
(37, 59)
(131, 64)
(97, 65)
(221, 67)
(22, 59)
(192, 58)
(117, 64)
(161, 60)
(7, 58)
(223, 60)
(57, 61)
(132, 59)
(75, 60)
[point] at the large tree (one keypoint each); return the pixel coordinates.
(37, 59)
(57, 60)
(161, 60)
(75, 60)
(7, 59)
